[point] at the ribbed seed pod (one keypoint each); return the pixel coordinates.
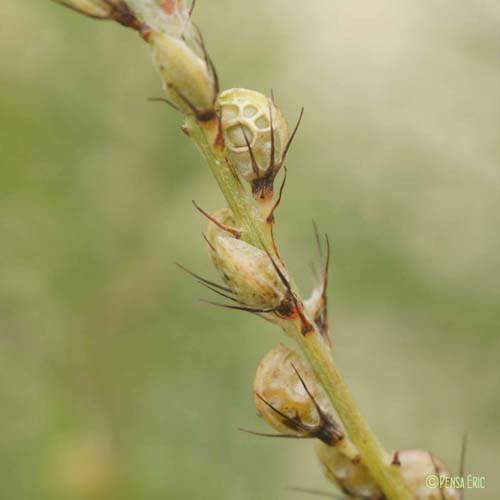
(291, 401)
(247, 115)
(187, 79)
(248, 271)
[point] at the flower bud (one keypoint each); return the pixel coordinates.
(188, 81)
(290, 400)
(248, 271)
(250, 116)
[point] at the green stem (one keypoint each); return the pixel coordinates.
(240, 202)
(254, 227)
(373, 454)
(314, 348)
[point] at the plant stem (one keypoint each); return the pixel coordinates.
(314, 348)
(242, 205)
(373, 454)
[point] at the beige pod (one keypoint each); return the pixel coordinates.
(419, 468)
(290, 400)
(247, 115)
(187, 80)
(247, 270)
(421, 471)
(350, 476)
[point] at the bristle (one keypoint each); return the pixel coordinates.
(288, 144)
(164, 100)
(213, 69)
(264, 434)
(273, 98)
(293, 423)
(271, 166)
(282, 277)
(201, 278)
(218, 292)
(235, 232)
(208, 242)
(193, 5)
(183, 98)
(255, 165)
(315, 403)
(318, 239)
(327, 266)
(239, 308)
(270, 217)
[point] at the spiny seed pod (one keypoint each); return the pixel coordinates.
(248, 271)
(291, 401)
(188, 80)
(252, 126)
(417, 466)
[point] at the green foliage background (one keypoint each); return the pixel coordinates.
(115, 382)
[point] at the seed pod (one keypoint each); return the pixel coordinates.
(417, 466)
(247, 270)
(291, 401)
(188, 80)
(351, 476)
(248, 119)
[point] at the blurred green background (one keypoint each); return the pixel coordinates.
(115, 382)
